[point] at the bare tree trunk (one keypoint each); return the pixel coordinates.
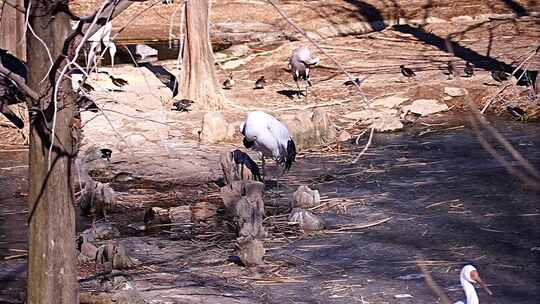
(52, 266)
(12, 29)
(198, 79)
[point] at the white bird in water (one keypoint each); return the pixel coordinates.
(269, 136)
(300, 63)
(468, 276)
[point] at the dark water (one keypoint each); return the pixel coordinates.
(448, 198)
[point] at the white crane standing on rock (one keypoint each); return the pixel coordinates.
(300, 63)
(102, 35)
(269, 136)
(468, 276)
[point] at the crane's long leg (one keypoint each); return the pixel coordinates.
(263, 168)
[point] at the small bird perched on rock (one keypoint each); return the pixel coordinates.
(499, 75)
(86, 103)
(260, 83)
(117, 81)
(300, 62)
(106, 153)
(264, 133)
(468, 70)
(450, 71)
(87, 87)
(242, 159)
(517, 112)
(406, 71)
(182, 105)
(228, 83)
(350, 82)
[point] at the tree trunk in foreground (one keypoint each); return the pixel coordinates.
(198, 79)
(52, 264)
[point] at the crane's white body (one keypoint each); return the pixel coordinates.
(468, 287)
(300, 62)
(102, 35)
(269, 136)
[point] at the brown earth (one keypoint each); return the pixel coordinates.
(400, 176)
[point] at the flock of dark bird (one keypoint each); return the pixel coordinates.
(468, 71)
(300, 63)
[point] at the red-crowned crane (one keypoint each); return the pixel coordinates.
(468, 276)
(300, 63)
(103, 35)
(264, 133)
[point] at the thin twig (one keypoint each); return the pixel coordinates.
(365, 148)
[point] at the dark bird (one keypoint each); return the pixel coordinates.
(517, 113)
(10, 93)
(499, 75)
(468, 70)
(526, 78)
(260, 83)
(228, 83)
(243, 159)
(117, 81)
(106, 153)
(86, 103)
(350, 82)
(406, 71)
(269, 136)
(450, 71)
(182, 105)
(300, 62)
(166, 77)
(87, 87)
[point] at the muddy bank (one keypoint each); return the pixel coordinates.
(448, 201)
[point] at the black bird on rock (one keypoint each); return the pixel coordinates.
(106, 153)
(86, 103)
(10, 92)
(260, 83)
(243, 159)
(87, 87)
(517, 113)
(117, 81)
(350, 82)
(406, 71)
(182, 105)
(468, 70)
(228, 83)
(450, 71)
(499, 75)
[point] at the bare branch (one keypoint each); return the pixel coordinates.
(365, 148)
(20, 82)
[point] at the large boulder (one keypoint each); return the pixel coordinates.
(455, 92)
(368, 114)
(425, 107)
(389, 102)
(310, 128)
(215, 128)
(387, 123)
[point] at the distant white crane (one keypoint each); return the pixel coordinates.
(300, 63)
(103, 35)
(264, 133)
(468, 276)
